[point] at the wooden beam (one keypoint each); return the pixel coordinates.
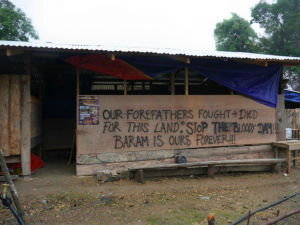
(231, 92)
(47, 55)
(266, 63)
(85, 159)
(180, 59)
(209, 163)
(249, 61)
(11, 52)
(186, 80)
(223, 151)
(111, 56)
(172, 84)
(83, 170)
(25, 119)
(125, 87)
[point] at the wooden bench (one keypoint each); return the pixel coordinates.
(292, 145)
(275, 166)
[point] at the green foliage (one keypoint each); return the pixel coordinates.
(236, 35)
(281, 21)
(14, 25)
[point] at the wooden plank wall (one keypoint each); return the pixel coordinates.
(97, 149)
(91, 163)
(10, 111)
(4, 112)
(126, 123)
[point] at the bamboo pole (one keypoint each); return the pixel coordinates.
(186, 76)
(12, 188)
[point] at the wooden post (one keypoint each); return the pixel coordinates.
(281, 87)
(172, 84)
(12, 188)
(288, 159)
(186, 80)
(293, 123)
(125, 87)
(77, 103)
(231, 92)
(295, 156)
(4, 114)
(40, 85)
(211, 171)
(25, 120)
(139, 178)
(275, 152)
(78, 81)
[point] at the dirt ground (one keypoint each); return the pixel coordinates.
(54, 195)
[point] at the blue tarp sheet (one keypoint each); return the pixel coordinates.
(257, 82)
(291, 96)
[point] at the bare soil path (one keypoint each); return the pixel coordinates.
(54, 195)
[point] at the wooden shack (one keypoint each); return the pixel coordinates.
(131, 107)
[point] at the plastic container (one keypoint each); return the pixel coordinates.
(288, 132)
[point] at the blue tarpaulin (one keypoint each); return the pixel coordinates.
(292, 96)
(257, 82)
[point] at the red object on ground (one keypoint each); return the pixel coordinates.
(36, 163)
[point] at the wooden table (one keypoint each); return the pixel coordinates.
(291, 145)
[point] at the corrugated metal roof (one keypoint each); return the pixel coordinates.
(167, 51)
